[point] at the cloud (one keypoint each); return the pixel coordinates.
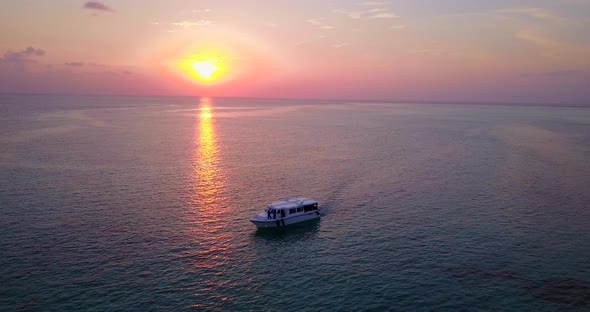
(176, 26)
(397, 26)
(113, 73)
(187, 24)
(548, 46)
(429, 52)
(547, 35)
(95, 5)
(384, 15)
(22, 56)
(537, 13)
(74, 64)
(355, 14)
(375, 13)
(556, 73)
(314, 21)
(539, 16)
(372, 3)
(319, 24)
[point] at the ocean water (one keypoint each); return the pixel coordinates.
(142, 204)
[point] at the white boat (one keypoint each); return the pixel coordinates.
(290, 210)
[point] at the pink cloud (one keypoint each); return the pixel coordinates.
(20, 60)
(95, 5)
(74, 64)
(21, 56)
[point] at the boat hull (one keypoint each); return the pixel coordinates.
(275, 223)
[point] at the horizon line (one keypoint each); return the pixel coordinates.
(388, 101)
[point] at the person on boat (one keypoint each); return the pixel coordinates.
(268, 214)
(274, 214)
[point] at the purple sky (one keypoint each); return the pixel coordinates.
(485, 51)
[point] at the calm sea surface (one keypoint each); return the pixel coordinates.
(130, 203)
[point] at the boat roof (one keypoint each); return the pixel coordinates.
(292, 202)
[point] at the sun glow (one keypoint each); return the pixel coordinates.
(217, 67)
(204, 69)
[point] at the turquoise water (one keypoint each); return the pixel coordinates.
(130, 203)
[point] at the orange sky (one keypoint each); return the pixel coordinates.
(505, 51)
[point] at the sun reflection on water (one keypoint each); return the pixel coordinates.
(208, 201)
(210, 244)
(209, 182)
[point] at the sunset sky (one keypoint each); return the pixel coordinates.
(463, 50)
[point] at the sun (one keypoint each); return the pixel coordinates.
(204, 69)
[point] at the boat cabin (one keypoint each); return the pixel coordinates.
(288, 211)
(283, 212)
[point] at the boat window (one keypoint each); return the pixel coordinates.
(300, 209)
(310, 207)
(292, 210)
